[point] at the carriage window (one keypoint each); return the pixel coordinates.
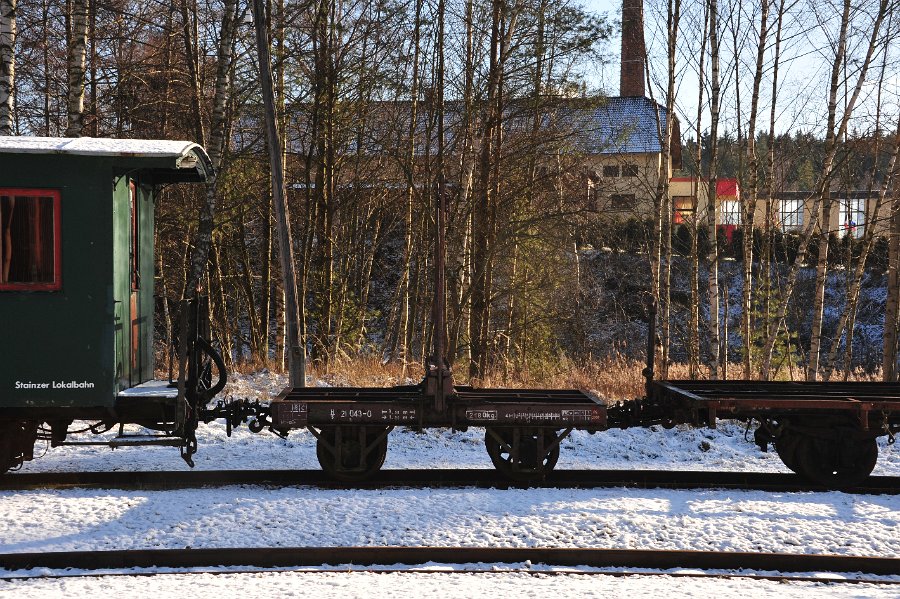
(29, 240)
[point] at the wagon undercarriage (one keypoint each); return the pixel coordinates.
(825, 432)
(524, 427)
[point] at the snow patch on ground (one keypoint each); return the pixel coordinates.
(89, 519)
(438, 585)
(426, 585)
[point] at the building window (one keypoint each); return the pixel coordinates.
(730, 212)
(629, 170)
(684, 210)
(611, 170)
(791, 215)
(29, 240)
(621, 201)
(852, 217)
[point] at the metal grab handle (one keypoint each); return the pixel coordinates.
(210, 351)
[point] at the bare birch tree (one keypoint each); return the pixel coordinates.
(766, 274)
(834, 133)
(848, 314)
(749, 205)
(694, 225)
(404, 291)
(892, 302)
(7, 65)
(77, 53)
(832, 142)
(664, 208)
(711, 206)
(847, 321)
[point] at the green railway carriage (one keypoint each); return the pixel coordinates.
(77, 278)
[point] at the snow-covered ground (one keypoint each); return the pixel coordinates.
(243, 516)
(438, 586)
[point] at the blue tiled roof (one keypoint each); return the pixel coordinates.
(615, 125)
(612, 125)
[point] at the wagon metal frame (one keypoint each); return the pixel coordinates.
(873, 405)
(824, 431)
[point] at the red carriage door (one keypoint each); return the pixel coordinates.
(134, 312)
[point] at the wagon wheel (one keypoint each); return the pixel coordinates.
(6, 461)
(786, 447)
(522, 454)
(352, 453)
(836, 463)
(17, 440)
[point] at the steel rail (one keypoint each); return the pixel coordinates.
(296, 557)
(622, 573)
(424, 478)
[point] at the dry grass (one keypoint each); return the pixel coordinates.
(615, 378)
(367, 372)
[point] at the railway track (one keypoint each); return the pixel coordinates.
(533, 560)
(478, 478)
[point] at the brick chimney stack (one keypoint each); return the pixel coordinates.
(631, 81)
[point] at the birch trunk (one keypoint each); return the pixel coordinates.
(892, 303)
(662, 187)
(765, 262)
(848, 315)
(831, 147)
(7, 65)
(216, 146)
(711, 208)
(480, 214)
(694, 345)
(77, 52)
(832, 142)
(200, 255)
(750, 204)
(404, 290)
